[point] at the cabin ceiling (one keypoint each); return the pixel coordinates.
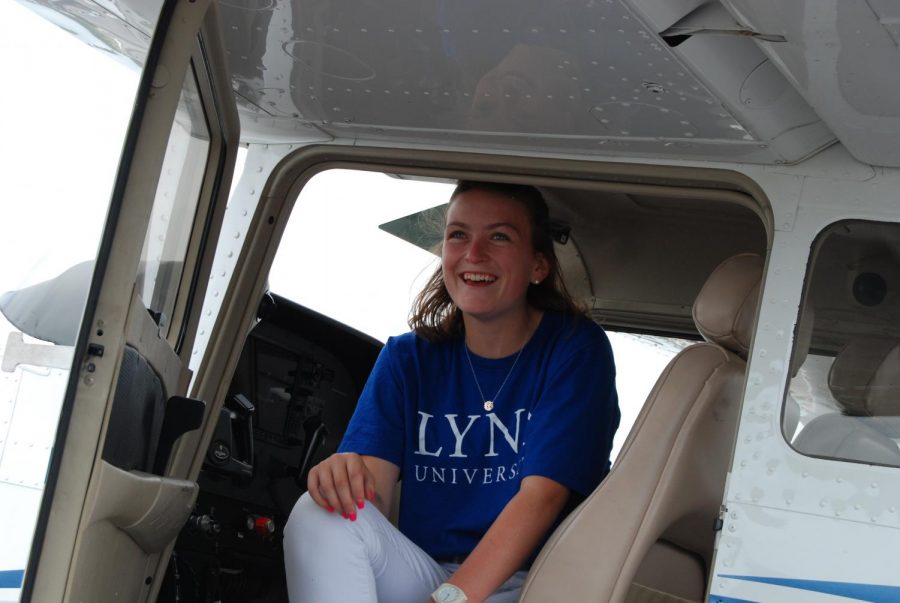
(764, 81)
(585, 77)
(646, 257)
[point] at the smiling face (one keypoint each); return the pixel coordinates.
(488, 259)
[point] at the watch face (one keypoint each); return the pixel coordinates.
(448, 594)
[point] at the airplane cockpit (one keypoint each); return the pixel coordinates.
(722, 181)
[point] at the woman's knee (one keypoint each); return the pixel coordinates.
(313, 535)
(306, 517)
(311, 524)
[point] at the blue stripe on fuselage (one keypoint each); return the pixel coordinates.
(873, 593)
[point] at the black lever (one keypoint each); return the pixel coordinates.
(182, 415)
(315, 441)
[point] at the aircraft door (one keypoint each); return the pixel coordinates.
(110, 509)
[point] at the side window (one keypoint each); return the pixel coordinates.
(162, 259)
(640, 359)
(844, 398)
(341, 256)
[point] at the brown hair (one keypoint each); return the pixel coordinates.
(435, 317)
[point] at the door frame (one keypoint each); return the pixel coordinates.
(187, 33)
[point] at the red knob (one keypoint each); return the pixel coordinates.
(264, 526)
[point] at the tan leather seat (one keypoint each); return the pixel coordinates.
(865, 381)
(647, 533)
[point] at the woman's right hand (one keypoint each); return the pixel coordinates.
(341, 483)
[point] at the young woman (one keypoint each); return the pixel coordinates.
(497, 411)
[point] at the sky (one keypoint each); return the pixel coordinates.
(61, 145)
(350, 269)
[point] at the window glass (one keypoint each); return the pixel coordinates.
(844, 398)
(335, 259)
(640, 359)
(174, 206)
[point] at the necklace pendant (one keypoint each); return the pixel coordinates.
(489, 405)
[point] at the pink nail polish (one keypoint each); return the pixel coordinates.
(344, 515)
(360, 503)
(353, 517)
(330, 509)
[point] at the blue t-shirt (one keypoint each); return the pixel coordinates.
(460, 464)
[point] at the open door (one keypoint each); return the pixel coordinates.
(111, 508)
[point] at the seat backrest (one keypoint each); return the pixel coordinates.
(651, 521)
(865, 381)
(865, 377)
(137, 415)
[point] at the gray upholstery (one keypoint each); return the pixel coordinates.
(650, 523)
(865, 377)
(845, 437)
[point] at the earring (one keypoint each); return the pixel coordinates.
(535, 282)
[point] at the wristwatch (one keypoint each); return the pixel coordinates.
(447, 593)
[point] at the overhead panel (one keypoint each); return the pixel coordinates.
(586, 77)
(843, 56)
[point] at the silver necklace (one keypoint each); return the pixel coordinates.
(489, 404)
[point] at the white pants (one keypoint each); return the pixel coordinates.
(329, 559)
